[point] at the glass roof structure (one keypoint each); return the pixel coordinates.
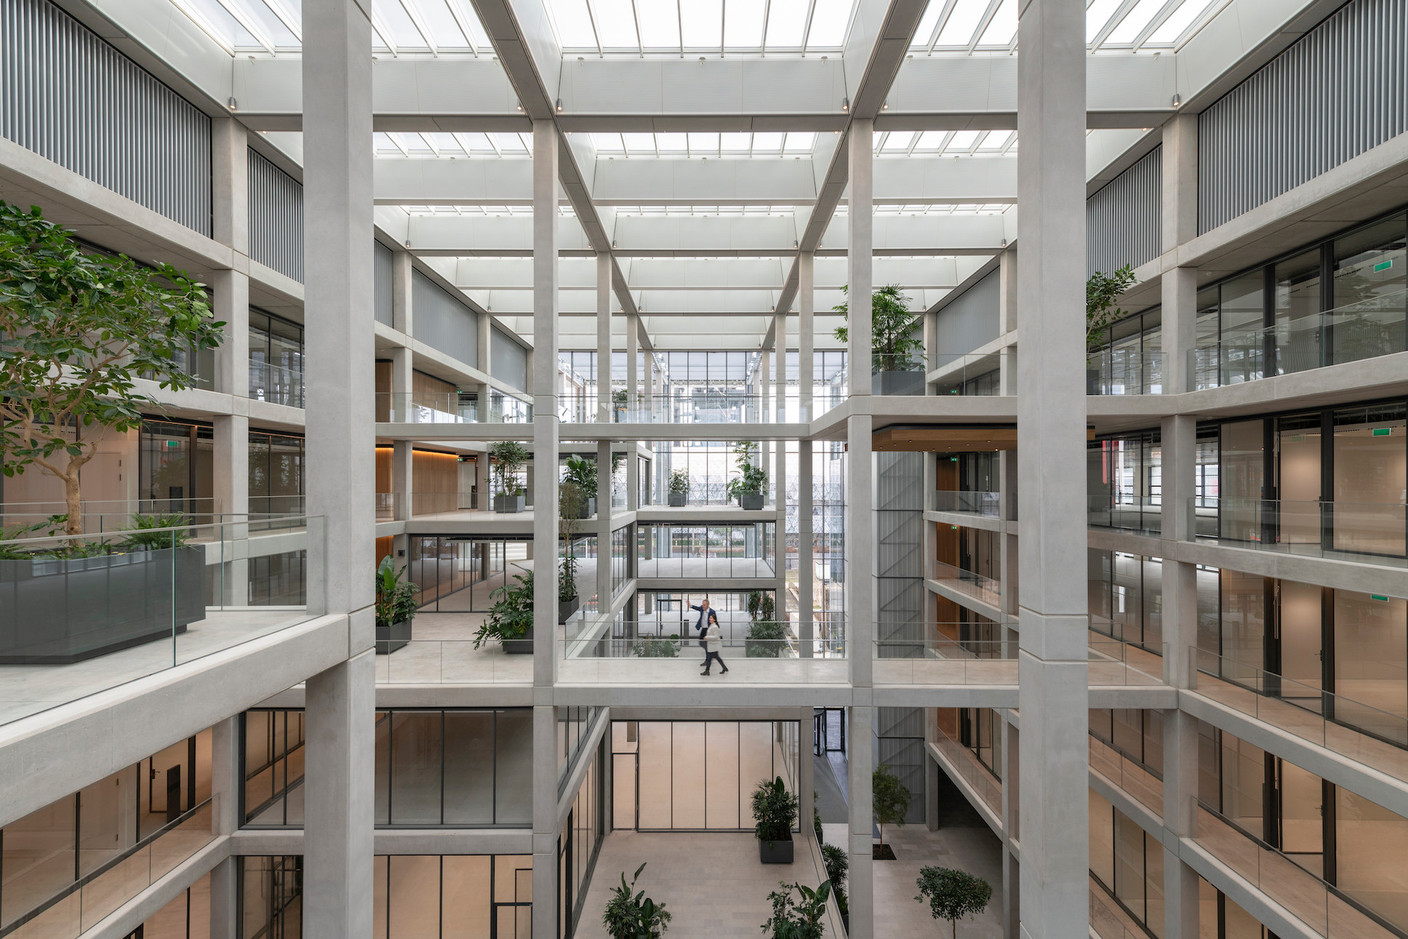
(701, 27)
(432, 145)
(1129, 25)
(273, 26)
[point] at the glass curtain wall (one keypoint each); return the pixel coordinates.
(696, 775)
(708, 551)
(458, 574)
(186, 917)
(1130, 361)
(275, 359)
(276, 473)
(1127, 863)
(273, 767)
(1125, 482)
(271, 897)
(427, 896)
(176, 469)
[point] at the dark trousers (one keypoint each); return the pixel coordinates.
(711, 658)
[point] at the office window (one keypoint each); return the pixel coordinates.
(275, 359)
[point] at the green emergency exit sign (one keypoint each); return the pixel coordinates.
(1382, 431)
(1383, 266)
(1374, 596)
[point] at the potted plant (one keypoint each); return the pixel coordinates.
(570, 501)
(765, 633)
(774, 812)
(633, 915)
(510, 618)
(1101, 310)
(509, 458)
(395, 607)
(800, 918)
(679, 487)
(654, 647)
(76, 599)
(838, 865)
(581, 473)
(952, 894)
(894, 342)
(747, 488)
(618, 405)
(106, 321)
(890, 800)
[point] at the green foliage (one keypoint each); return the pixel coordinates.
(511, 615)
(15, 552)
(838, 865)
(889, 798)
(581, 472)
(761, 605)
(571, 505)
(395, 598)
(653, 647)
(509, 458)
(952, 894)
(633, 915)
(146, 533)
(618, 397)
(1101, 293)
(800, 918)
(679, 482)
(77, 330)
(774, 811)
(894, 338)
(751, 479)
(816, 817)
(765, 640)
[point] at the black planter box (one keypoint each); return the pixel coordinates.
(776, 852)
(677, 499)
(565, 608)
(522, 646)
(58, 611)
(507, 504)
(752, 501)
(390, 638)
(588, 508)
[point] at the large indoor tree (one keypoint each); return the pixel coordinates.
(78, 329)
(894, 330)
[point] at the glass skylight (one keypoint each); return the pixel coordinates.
(945, 142)
(709, 27)
(705, 145)
(480, 211)
(450, 146)
(1132, 25)
(273, 26)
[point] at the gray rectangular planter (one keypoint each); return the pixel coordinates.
(508, 504)
(776, 852)
(56, 611)
(588, 508)
(522, 646)
(677, 499)
(751, 501)
(393, 637)
(897, 383)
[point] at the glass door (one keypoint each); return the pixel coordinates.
(1301, 816)
(1298, 457)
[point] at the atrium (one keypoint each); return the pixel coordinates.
(441, 474)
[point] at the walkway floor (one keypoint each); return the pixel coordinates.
(712, 883)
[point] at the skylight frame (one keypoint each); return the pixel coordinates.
(255, 20)
(574, 42)
(939, 13)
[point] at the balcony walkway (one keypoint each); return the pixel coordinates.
(26, 690)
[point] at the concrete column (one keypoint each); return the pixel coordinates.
(806, 326)
(545, 832)
(229, 184)
(603, 522)
(860, 764)
(603, 345)
(779, 385)
(632, 362)
(1053, 775)
(225, 789)
(544, 388)
(1179, 286)
(806, 774)
(402, 472)
(337, 842)
(1011, 828)
(806, 558)
(860, 525)
(1007, 319)
(230, 482)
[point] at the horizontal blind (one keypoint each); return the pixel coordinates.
(275, 218)
(1123, 221)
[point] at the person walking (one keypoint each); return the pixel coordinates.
(706, 616)
(714, 641)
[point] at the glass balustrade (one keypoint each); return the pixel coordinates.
(969, 583)
(1376, 532)
(964, 374)
(986, 504)
(1349, 333)
(1124, 372)
(143, 601)
(978, 777)
(450, 408)
(1124, 512)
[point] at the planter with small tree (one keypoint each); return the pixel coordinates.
(395, 607)
(581, 473)
(774, 813)
(799, 918)
(509, 457)
(897, 366)
(1101, 311)
(618, 405)
(631, 915)
(570, 502)
(838, 865)
(679, 487)
(510, 619)
(766, 634)
(890, 801)
(952, 894)
(747, 488)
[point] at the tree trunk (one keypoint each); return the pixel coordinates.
(74, 524)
